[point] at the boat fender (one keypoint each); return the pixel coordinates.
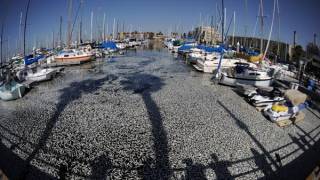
(279, 108)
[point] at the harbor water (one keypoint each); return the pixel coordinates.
(142, 115)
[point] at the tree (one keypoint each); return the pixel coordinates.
(312, 50)
(298, 53)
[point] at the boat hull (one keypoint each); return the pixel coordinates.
(41, 76)
(233, 81)
(80, 59)
(12, 93)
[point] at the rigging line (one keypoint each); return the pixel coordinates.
(271, 28)
(226, 34)
(75, 20)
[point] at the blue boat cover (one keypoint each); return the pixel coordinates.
(31, 59)
(108, 45)
(185, 47)
(210, 49)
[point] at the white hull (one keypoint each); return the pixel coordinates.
(211, 66)
(42, 75)
(11, 92)
(233, 81)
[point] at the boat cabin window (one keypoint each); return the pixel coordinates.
(254, 74)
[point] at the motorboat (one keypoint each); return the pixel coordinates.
(37, 75)
(211, 62)
(11, 91)
(242, 73)
(73, 55)
(295, 103)
(266, 96)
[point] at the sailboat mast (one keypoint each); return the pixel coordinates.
(80, 23)
(69, 23)
(19, 36)
(222, 24)
(278, 8)
(1, 43)
(24, 31)
(271, 28)
(234, 27)
(211, 30)
(91, 26)
(104, 27)
(246, 24)
(60, 33)
(113, 28)
(52, 39)
(261, 26)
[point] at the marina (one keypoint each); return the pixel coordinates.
(122, 119)
(197, 104)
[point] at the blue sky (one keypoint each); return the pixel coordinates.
(157, 15)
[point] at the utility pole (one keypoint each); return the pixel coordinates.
(315, 39)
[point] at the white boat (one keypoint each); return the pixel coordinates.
(42, 75)
(243, 74)
(211, 64)
(38, 76)
(73, 55)
(11, 91)
(196, 53)
(121, 45)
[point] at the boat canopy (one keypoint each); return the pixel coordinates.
(32, 59)
(210, 49)
(108, 45)
(185, 47)
(177, 43)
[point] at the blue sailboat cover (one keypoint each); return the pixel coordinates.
(32, 59)
(108, 45)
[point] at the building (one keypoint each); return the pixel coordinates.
(206, 35)
(280, 49)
